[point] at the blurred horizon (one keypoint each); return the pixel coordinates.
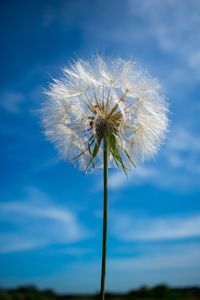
(157, 291)
(50, 212)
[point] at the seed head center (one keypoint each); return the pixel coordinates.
(108, 123)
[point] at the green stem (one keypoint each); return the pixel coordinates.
(105, 213)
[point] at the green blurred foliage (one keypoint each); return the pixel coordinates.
(159, 292)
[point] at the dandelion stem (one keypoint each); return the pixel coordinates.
(105, 212)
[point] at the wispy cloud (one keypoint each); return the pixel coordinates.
(133, 228)
(178, 257)
(37, 222)
(138, 176)
(11, 101)
(177, 36)
(170, 265)
(178, 166)
(75, 251)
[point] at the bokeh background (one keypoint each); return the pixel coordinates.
(50, 213)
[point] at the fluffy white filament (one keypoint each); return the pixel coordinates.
(67, 117)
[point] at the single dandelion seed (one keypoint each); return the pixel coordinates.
(105, 114)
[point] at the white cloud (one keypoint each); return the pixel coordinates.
(178, 167)
(38, 222)
(11, 101)
(184, 140)
(139, 174)
(11, 242)
(166, 23)
(179, 257)
(182, 154)
(138, 228)
(75, 251)
(174, 265)
(144, 26)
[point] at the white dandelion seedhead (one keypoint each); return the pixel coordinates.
(117, 102)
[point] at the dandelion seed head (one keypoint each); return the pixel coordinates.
(114, 101)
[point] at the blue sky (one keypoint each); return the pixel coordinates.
(50, 213)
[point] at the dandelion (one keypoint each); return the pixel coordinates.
(105, 114)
